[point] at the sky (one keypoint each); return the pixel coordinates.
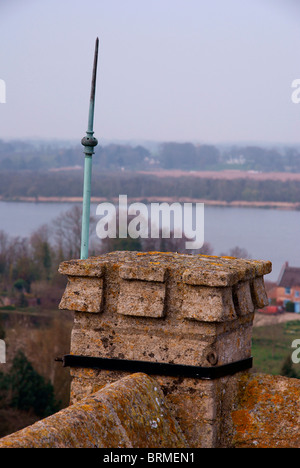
(207, 71)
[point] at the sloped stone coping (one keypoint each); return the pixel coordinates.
(130, 413)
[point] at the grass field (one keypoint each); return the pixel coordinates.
(272, 345)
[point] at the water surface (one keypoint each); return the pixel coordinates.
(267, 234)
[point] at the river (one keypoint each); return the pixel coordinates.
(266, 234)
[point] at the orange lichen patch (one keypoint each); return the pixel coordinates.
(156, 253)
(209, 256)
(267, 412)
(242, 420)
(130, 413)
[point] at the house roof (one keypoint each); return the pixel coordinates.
(289, 277)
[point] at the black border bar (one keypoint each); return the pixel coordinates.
(157, 368)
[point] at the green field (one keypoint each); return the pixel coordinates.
(272, 346)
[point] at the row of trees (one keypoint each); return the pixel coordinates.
(23, 388)
(112, 184)
(187, 156)
(18, 155)
(32, 384)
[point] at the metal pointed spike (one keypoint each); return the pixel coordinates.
(93, 87)
(89, 142)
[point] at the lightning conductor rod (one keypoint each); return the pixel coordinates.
(89, 142)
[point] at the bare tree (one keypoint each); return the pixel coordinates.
(237, 252)
(41, 251)
(67, 232)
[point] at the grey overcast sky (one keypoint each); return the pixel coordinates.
(169, 70)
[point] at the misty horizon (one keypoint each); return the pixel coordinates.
(204, 72)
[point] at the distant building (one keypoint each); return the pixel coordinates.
(288, 287)
(272, 310)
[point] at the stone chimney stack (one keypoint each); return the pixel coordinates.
(185, 319)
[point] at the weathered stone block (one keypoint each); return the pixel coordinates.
(88, 268)
(259, 295)
(242, 298)
(264, 413)
(141, 298)
(208, 304)
(152, 272)
(83, 294)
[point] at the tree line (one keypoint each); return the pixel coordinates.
(111, 184)
(35, 156)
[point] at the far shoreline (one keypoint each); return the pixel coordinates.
(217, 203)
